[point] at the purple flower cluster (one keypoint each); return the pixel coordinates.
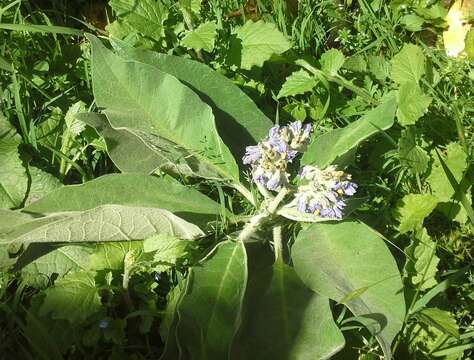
(323, 192)
(270, 157)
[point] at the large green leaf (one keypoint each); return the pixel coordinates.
(331, 61)
(422, 263)
(141, 97)
(42, 183)
(408, 65)
(13, 178)
(133, 150)
(349, 262)
(411, 155)
(60, 261)
(238, 119)
(412, 103)
(412, 210)
(209, 313)
(286, 320)
(258, 42)
(298, 82)
(130, 190)
(456, 162)
(73, 298)
(203, 37)
(327, 148)
(105, 223)
(146, 16)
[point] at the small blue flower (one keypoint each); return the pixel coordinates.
(104, 323)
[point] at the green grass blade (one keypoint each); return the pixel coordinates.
(42, 28)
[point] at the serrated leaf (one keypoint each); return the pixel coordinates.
(60, 261)
(167, 249)
(239, 121)
(136, 96)
(412, 210)
(327, 148)
(412, 103)
(456, 161)
(421, 263)
(202, 38)
(336, 259)
(408, 65)
(411, 155)
(298, 82)
(279, 306)
(130, 190)
(13, 178)
(379, 67)
(111, 256)
(331, 61)
(209, 313)
(259, 41)
(73, 298)
(440, 319)
(412, 22)
(146, 16)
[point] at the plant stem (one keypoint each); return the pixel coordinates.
(277, 243)
(256, 221)
(340, 81)
(127, 267)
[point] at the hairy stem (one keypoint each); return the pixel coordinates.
(277, 243)
(256, 221)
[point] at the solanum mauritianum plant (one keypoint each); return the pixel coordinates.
(262, 287)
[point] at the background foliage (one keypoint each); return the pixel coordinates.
(357, 70)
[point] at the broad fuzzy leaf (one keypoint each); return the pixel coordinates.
(412, 210)
(327, 148)
(412, 103)
(111, 255)
(286, 320)
(74, 298)
(408, 65)
(130, 190)
(339, 259)
(13, 178)
(202, 38)
(108, 223)
(209, 313)
(259, 41)
(239, 121)
(298, 82)
(331, 61)
(133, 150)
(421, 264)
(146, 16)
(137, 96)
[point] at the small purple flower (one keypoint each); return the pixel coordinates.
(295, 127)
(252, 154)
(274, 182)
(307, 130)
(273, 132)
